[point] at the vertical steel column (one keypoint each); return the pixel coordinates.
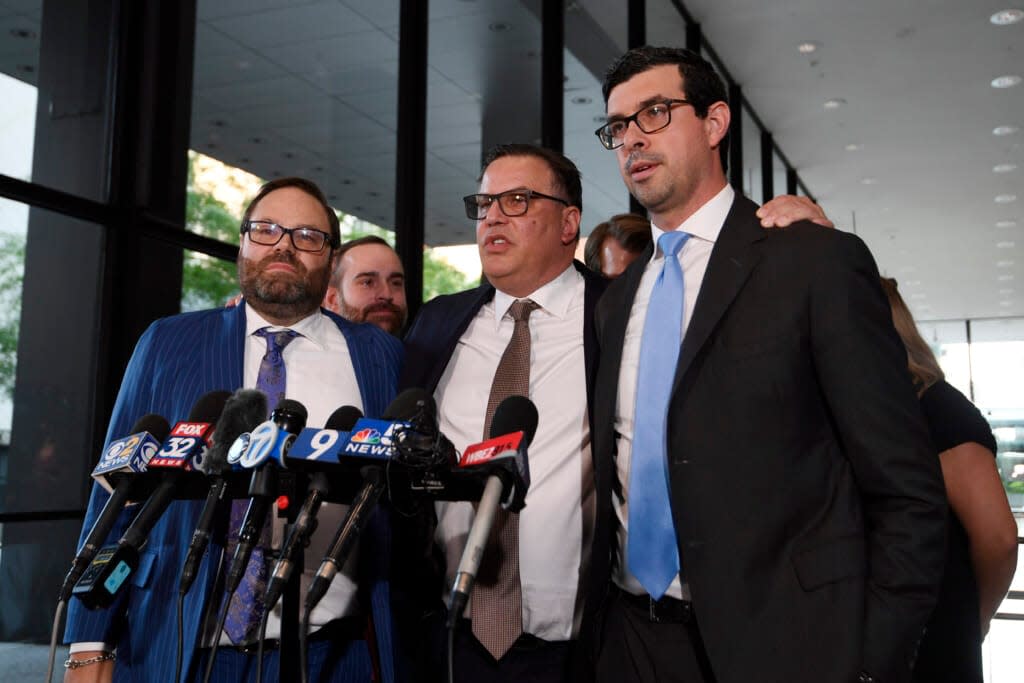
(736, 137)
(694, 37)
(636, 30)
(791, 180)
(552, 75)
(767, 168)
(411, 155)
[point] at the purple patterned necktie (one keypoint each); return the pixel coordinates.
(497, 607)
(246, 607)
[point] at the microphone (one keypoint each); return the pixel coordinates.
(243, 411)
(341, 420)
(127, 455)
(509, 479)
(411, 403)
(269, 441)
(112, 566)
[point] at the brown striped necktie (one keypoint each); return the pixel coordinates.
(497, 606)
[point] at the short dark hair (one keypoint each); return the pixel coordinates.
(567, 176)
(702, 86)
(307, 186)
(348, 246)
(632, 232)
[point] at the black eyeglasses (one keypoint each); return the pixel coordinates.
(650, 119)
(268, 234)
(512, 203)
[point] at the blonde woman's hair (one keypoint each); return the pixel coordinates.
(921, 361)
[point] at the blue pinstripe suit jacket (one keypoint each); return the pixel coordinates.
(177, 360)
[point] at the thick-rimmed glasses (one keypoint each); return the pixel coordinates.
(512, 203)
(650, 119)
(268, 234)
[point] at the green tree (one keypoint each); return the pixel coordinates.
(207, 282)
(12, 268)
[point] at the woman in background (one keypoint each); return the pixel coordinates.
(982, 551)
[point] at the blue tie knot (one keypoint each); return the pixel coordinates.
(276, 341)
(672, 242)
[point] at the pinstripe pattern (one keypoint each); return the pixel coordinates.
(177, 360)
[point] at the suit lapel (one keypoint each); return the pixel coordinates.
(462, 318)
(732, 260)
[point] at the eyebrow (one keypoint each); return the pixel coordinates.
(654, 99)
(377, 273)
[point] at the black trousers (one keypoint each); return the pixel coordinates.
(530, 660)
(635, 649)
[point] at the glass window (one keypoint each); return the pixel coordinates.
(48, 382)
(307, 90)
(55, 54)
(594, 37)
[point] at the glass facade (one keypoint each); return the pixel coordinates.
(133, 133)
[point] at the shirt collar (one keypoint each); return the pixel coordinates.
(705, 223)
(311, 327)
(555, 297)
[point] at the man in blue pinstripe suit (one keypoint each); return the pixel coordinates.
(289, 238)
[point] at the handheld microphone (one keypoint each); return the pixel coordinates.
(409, 403)
(127, 455)
(514, 414)
(270, 441)
(341, 420)
(113, 566)
(243, 411)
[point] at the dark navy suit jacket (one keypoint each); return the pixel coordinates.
(177, 360)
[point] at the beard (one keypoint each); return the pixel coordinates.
(281, 295)
(394, 323)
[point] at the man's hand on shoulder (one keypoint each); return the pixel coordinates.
(787, 209)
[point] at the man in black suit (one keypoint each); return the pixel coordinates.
(528, 217)
(781, 517)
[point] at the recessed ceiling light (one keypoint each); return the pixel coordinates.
(1006, 224)
(1005, 198)
(869, 181)
(256, 140)
(1007, 81)
(499, 27)
(854, 147)
(1004, 130)
(1004, 168)
(808, 47)
(1005, 291)
(1004, 264)
(1006, 17)
(600, 119)
(912, 283)
(1004, 245)
(908, 269)
(581, 99)
(918, 296)
(1005, 278)
(1005, 303)
(834, 103)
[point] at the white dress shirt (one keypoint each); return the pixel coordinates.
(551, 526)
(703, 226)
(320, 376)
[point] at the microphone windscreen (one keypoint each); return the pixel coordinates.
(290, 416)
(243, 412)
(209, 406)
(515, 413)
(409, 404)
(343, 419)
(154, 424)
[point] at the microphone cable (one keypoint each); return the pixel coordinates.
(53, 638)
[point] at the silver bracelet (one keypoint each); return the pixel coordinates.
(79, 663)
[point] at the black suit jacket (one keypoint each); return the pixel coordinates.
(809, 512)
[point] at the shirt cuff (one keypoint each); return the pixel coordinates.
(88, 647)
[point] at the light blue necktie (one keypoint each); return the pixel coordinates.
(246, 607)
(653, 555)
